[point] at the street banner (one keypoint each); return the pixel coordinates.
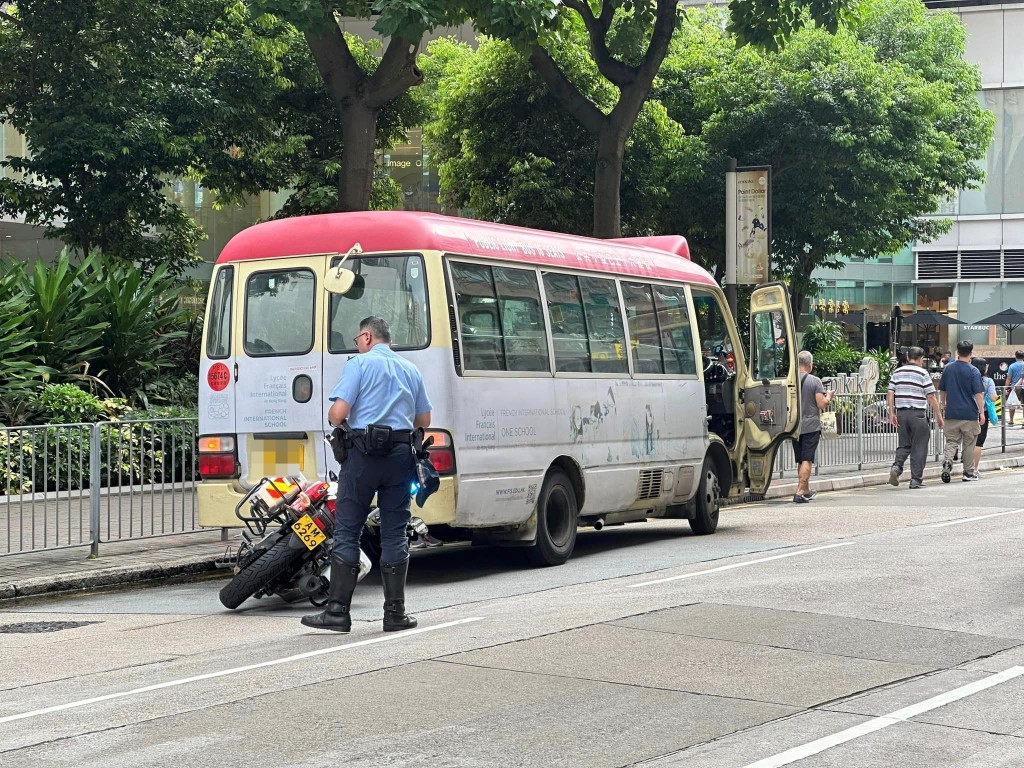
(753, 225)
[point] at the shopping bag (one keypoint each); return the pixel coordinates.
(829, 425)
(1013, 401)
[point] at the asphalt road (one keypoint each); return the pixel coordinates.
(880, 627)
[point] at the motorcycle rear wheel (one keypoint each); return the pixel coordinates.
(276, 562)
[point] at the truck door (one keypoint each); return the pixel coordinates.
(770, 396)
(279, 401)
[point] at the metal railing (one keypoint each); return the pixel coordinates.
(71, 485)
(866, 438)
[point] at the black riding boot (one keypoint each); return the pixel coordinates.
(393, 575)
(344, 576)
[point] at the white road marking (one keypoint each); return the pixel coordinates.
(739, 565)
(236, 670)
(972, 519)
(884, 721)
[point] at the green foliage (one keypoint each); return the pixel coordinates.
(20, 370)
(141, 318)
(768, 23)
(866, 131)
(67, 404)
(181, 390)
(837, 360)
(823, 336)
(493, 159)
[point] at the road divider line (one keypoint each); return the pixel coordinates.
(884, 721)
(972, 519)
(236, 670)
(721, 568)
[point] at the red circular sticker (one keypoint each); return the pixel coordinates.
(218, 377)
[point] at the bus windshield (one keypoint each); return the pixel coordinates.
(392, 287)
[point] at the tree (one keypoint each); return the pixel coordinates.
(359, 90)
(866, 131)
(764, 22)
(505, 148)
(114, 98)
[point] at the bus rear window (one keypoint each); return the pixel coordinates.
(392, 287)
(279, 306)
(218, 337)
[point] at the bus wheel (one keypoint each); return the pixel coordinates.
(556, 521)
(708, 501)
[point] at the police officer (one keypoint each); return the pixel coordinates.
(381, 395)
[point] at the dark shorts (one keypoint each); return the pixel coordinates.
(805, 448)
(980, 442)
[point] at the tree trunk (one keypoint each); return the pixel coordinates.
(355, 182)
(611, 149)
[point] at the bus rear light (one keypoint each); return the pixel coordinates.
(217, 444)
(217, 465)
(217, 457)
(441, 438)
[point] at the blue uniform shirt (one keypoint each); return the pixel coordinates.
(382, 388)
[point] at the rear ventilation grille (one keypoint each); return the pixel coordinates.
(936, 265)
(650, 484)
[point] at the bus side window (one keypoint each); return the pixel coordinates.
(521, 319)
(218, 340)
(568, 325)
(674, 325)
(643, 328)
(769, 353)
(605, 331)
(279, 312)
(713, 331)
(478, 310)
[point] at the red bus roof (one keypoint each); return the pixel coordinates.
(666, 257)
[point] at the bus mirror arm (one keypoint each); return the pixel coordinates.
(338, 279)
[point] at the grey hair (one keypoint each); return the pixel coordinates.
(378, 328)
(806, 359)
(915, 353)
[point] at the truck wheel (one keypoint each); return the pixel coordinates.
(557, 519)
(708, 500)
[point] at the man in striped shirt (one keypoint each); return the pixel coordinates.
(910, 392)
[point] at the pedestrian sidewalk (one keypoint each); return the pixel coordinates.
(122, 563)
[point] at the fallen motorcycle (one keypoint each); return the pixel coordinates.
(286, 547)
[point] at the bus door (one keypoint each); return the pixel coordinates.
(770, 393)
(279, 400)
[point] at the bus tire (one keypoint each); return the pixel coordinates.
(557, 520)
(708, 500)
(278, 561)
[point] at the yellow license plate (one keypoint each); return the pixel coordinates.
(309, 532)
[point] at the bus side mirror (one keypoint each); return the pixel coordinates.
(339, 281)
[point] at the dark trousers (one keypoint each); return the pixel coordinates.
(362, 476)
(914, 433)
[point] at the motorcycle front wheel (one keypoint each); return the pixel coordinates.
(276, 562)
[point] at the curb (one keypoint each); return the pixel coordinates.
(881, 477)
(107, 577)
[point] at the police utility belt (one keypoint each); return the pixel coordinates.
(375, 440)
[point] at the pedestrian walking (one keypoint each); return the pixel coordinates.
(910, 393)
(963, 407)
(990, 409)
(813, 400)
(382, 398)
(1015, 384)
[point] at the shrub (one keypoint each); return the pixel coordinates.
(68, 404)
(832, 362)
(824, 336)
(886, 366)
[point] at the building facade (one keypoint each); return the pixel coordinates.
(977, 268)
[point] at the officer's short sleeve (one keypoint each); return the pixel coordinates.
(347, 388)
(422, 401)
